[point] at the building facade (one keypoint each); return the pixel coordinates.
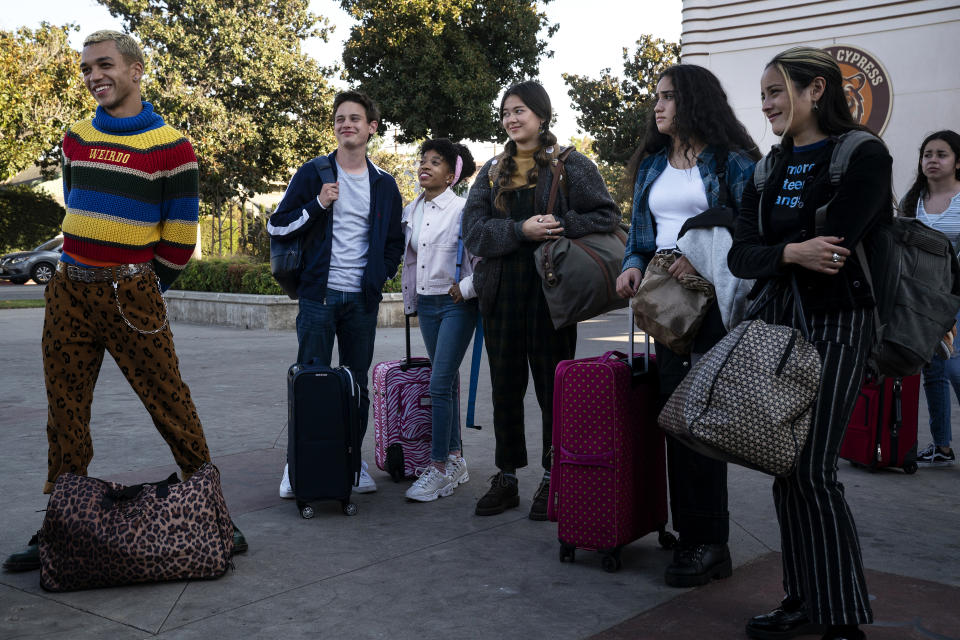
(900, 61)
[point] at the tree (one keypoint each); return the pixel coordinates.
(27, 217)
(41, 94)
(232, 76)
(436, 66)
(614, 111)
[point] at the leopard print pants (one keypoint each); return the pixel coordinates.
(82, 321)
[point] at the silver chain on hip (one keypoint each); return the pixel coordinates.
(166, 315)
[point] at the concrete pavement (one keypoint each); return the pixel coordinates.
(407, 570)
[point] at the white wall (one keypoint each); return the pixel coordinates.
(918, 43)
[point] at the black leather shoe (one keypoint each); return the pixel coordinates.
(538, 508)
(699, 564)
(239, 542)
(26, 560)
(786, 621)
(502, 495)
(844, 633)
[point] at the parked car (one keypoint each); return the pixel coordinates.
(20, 266)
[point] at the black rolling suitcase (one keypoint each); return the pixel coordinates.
(323, 438)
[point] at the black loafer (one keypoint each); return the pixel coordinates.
(26, 560)
(698, 565)
(783, 622)
(239, 541)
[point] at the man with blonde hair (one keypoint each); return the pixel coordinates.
(131, 188)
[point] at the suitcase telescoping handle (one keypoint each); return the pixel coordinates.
(409, 363)
(646, 342)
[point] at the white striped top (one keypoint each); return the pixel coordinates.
(948, 222)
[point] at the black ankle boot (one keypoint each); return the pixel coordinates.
(26, 560)
(502, 495)
(788, 620)
(698, 564)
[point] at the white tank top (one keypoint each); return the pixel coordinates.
(675, 196)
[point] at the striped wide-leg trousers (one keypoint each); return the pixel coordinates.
(822, 563)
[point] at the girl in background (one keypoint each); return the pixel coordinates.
(934, 199)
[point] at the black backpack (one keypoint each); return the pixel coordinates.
(286, 254)
(911, 268)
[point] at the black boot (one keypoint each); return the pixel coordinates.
(502, 495)
(25, 560)
(788, 620)
(538, 508)
(239, 541)
(698, 564)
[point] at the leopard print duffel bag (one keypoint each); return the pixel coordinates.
(100, 534)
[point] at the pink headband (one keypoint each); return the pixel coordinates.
(457, 170)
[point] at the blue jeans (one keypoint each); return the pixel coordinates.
(446, 327)
(938, 377)
(342, 316)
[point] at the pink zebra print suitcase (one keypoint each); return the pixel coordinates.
(403, 415)
(608, 483)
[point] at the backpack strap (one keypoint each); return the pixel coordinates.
(843, 151)
(761, 173)
(324, 169)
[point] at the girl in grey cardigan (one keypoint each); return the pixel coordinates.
(504, 221)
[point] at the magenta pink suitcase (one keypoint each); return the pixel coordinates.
(608, 482)
(402, 415)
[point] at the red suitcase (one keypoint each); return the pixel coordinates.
(403, 414)
(883, 429)
(608, 483)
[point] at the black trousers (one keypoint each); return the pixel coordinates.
(698, 484)
(822, 563)
(519, 334)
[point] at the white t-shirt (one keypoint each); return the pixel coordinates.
(675, 196)
(947, 221)
(351, 231)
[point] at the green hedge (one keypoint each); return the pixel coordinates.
(239, 275)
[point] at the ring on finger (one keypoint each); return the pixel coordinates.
(539, 219)
(835, 258)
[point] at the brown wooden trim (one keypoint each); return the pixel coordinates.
(686, 43)
(876, 5)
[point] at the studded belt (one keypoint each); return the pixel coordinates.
(103, 274)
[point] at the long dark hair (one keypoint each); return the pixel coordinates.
(919, 188)
(703, 116)
(535, 97)
(799, 66)
(450, 151)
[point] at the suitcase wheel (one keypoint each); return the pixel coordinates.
(666, 539)
(568, 553)
(611, 562)
(349, 508)
(307, 512)
(395, 462)
(910, 468)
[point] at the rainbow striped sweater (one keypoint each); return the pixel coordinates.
(131, 189)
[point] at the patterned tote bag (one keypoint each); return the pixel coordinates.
(749, 400)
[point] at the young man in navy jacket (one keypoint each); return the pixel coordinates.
(356, 248)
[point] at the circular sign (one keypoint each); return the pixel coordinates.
(866, 86)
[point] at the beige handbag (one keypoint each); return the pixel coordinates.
(670, 310)
(749, 400)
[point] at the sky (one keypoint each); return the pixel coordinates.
(591, 37)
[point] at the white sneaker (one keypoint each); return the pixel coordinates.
(286, 491)
(457, 469)
(431, 485)
(367, 485)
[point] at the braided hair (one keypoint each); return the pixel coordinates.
(535, 97)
